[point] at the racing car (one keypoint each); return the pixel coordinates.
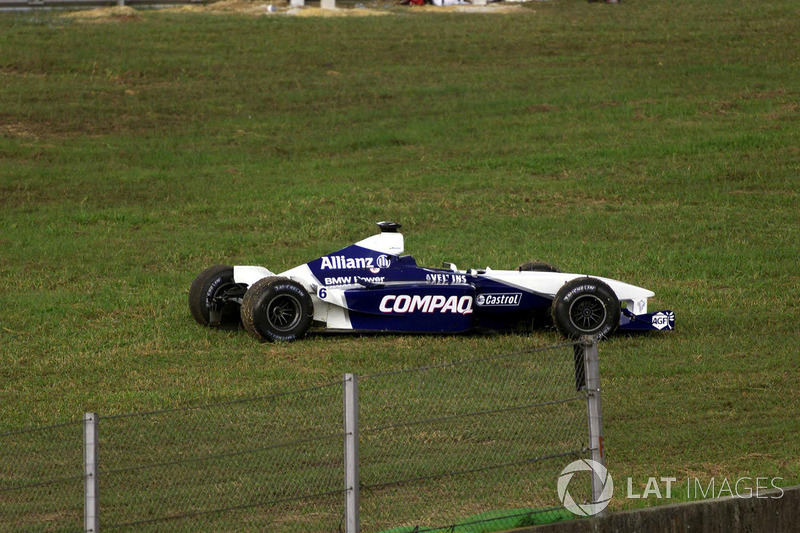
(370, 286)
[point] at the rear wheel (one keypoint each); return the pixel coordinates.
(537, 266)
(214, 297)
(277, 309)
(586, 306)
(540, 317)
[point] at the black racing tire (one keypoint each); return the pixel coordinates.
(586, 306)
(213, 282)
(277, 309)
(537, 266)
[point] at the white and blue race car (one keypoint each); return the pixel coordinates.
(370, 286)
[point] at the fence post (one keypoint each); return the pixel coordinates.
(351, 477)
(90, 472)
(592, 372)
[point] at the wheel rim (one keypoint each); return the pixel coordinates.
(224, 301)
(283, 312)
(587, 313)
(227, 290)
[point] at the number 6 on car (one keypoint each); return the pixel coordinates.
(371, 286)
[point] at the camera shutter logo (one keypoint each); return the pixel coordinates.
(587, 509)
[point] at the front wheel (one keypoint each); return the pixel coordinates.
(277, 309)
(214, 297)
(586, 306)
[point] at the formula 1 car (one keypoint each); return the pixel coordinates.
(370, 287)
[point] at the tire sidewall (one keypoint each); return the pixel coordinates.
(266, 294)
(205, 287)
(215, 284)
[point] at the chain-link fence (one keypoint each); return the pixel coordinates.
(41, 479)
(485, 437)
(696, 424)
(271, 463)
(469, 443)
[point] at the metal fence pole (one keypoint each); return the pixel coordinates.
(351, 478)
(90, 472)
(592, 368)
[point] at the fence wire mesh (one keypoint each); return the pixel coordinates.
(476, 441)
(705, 419)
(41, 479)
(273, 462)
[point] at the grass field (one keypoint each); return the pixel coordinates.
(654, 142)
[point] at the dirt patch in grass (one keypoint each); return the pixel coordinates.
(283, 8)
(338, 12)
(105, 14)
(469, 8)
(17, 130)
(123, 13)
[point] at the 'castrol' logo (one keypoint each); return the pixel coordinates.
(430, 303)
(499, 300)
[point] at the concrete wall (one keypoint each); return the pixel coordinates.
(727, 515)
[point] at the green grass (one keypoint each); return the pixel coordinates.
(654, 142)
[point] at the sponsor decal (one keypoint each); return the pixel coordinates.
(341, 280)
(499, 299)
(430, 303)
(663, 320)
(383, 261)
(341, 262)
(446, 279)
(352, 280)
